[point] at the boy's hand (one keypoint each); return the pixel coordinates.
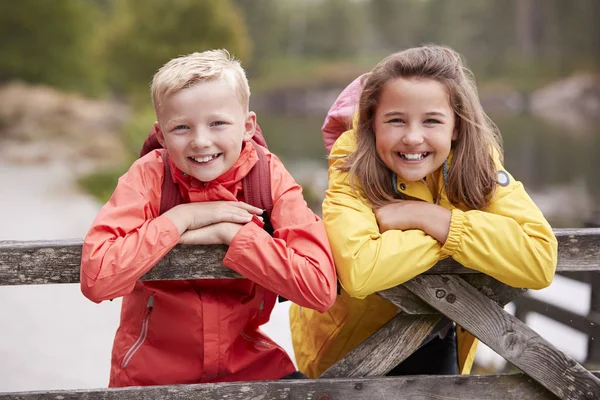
(197, 215)
(409, 214)
(220, 233)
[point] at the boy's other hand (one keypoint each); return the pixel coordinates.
(192, 216)
(220, 233)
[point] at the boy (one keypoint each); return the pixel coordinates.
(191, 331)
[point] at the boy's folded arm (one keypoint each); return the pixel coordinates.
(296, 262)
(126, 239)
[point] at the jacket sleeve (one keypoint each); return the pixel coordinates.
(127, 238)
(296, 262)
(368, 261)
(509, 240)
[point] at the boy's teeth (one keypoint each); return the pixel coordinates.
(204, 159)
(413, 156)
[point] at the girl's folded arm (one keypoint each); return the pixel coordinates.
(368, 261)
(510, 240)
(126, 239)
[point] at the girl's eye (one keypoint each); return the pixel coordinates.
(432, 121)
(396, 121)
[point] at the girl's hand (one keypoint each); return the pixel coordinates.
(398, 214)
(409, 214)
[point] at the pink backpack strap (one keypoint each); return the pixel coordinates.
(257, 186)
(339, 117)
(170, 194)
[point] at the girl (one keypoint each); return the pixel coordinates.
(419, 178)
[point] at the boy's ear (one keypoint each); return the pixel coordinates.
(250, 125)
(159, 134)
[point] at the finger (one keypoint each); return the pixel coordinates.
(249, 208)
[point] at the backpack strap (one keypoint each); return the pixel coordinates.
(170, 194)
(257, 191)
(257, 187)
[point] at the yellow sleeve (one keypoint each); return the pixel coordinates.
(510, 240)
(366, 260)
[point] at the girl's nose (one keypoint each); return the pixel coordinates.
(413, 137)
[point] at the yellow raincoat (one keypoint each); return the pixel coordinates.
(509, 240)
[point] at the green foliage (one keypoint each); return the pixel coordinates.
(145, 34)
(102, 183)
(50, 42)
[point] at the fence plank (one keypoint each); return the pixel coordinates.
(506, 335)
(386, 348)
(584, 324)
(458, 387)
(44, 262)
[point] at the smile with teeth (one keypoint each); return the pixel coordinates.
(205, 159)
(413, 156)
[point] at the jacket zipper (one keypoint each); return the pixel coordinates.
(251, 339)
(138, 343)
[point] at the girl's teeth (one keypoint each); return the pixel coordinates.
(413, 157)
(204, 159)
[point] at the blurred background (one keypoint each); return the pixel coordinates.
(75, 107)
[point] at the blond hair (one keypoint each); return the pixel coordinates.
(472, 174)
(192, 69)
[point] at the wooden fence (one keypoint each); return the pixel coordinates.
(473, 300)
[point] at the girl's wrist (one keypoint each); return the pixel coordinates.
(435, 221)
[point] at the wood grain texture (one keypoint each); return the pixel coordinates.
(386, 348)
(506, 335)
(45, 262)
(458, 387)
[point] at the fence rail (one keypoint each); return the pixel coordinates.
(471, 299)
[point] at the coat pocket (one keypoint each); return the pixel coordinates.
(143, 333)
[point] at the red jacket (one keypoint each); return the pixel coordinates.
(193, 331)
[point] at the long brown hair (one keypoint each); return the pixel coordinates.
(472, 174)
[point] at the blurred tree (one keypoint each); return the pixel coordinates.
(144, 34)
(267, 28)
(335, 28)
(399, 24)
(51, 42)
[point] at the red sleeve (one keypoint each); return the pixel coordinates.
(296, 262)
(127, 238)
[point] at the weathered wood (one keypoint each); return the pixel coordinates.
(458, 387)
(506, 335)
(408, 303)
(57, 261)
(585, 324)
(593, 353)
(386, 348)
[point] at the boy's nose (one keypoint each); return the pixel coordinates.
(201, 139)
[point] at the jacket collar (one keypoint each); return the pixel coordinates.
(420, 190)
(247, 159)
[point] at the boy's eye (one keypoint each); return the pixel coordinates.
(180, 127)
(217, 123)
